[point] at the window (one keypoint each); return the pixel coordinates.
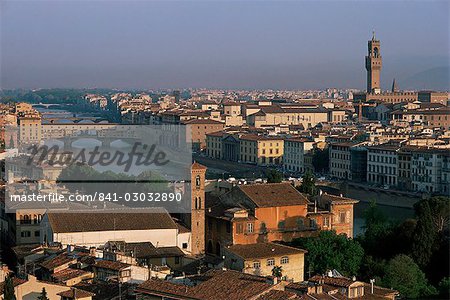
(239, 228)
(326, 221)
(125, 273)
(271, 262)
(284, 260)
(25, 219)
(342, 217)
(249, 227)
(25, 234)
(37, 233)
(184, 245)
(256, 265)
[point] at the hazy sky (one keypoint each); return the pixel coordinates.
(220, 44)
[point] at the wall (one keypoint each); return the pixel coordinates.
(159, 237)
(31, 289)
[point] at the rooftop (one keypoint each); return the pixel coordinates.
(59, 260)
(83, 222)
(273, 194)
(263, 250)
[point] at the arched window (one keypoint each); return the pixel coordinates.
(284, 260)
(196, 203)
(197, 181)
(375, 51)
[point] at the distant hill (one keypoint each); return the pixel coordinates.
(431, 79)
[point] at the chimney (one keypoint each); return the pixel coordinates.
(371, 285)
(330, 273)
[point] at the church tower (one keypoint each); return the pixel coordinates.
(373, 66)
(198, 172)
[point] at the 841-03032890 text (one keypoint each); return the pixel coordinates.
(101, 197)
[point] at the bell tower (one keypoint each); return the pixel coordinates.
(373, 66)
(198, 172)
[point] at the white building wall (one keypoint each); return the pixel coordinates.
(184, 238)
(158, 237)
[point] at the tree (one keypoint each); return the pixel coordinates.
(430, 241)
(376, 229)
(444, 288)
(277, 271)
(308, 185)
(8, 292)
(43, 295)
(321, 159)
(331, 251)
(273, 176)
(439, 211)
(404, 275)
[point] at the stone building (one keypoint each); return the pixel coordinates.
(374, 92)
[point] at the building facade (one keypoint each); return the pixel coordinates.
(382, 167)
(293, 154)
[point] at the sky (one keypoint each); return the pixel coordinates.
(221, 44)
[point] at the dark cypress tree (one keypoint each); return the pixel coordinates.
(8, 293)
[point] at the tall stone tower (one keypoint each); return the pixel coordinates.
(373, 66)
(198, 172)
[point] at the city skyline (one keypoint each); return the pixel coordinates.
(258, 45)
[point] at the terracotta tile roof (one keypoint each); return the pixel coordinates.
(68, 273)
(217, 134)
(255, 137)
(337, 199)
(217, 284)
(278, 295)
(76, 294)
(110, 265)
(166, 252)
(263, 250)
(203, 121)
(333, 281)
(230, 285)
(59, 260)
(299, 139)
(322, 296)
(385, 147)
(197, 166)
(298, 286)
(82, 222)
(138, 250)
(164, 288)
(380, 292)
(105, 290)
(181, 227)
(273, 194)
